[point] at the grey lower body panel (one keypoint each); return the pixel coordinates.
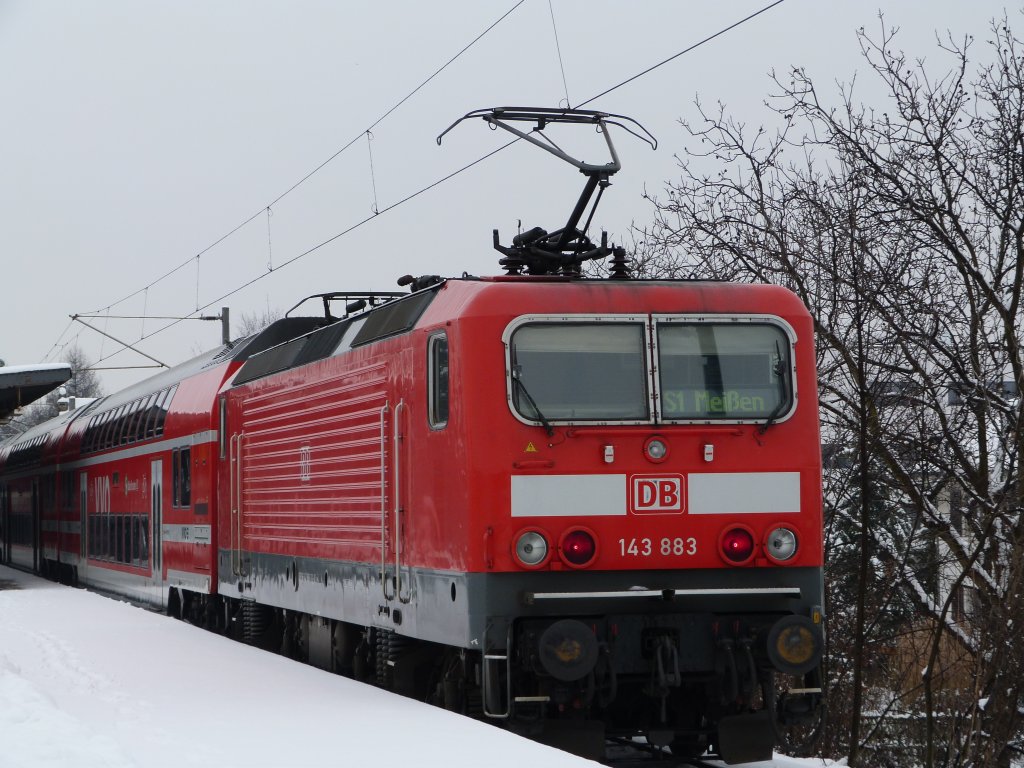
(427, 604)
(139, 587)
(475, 610)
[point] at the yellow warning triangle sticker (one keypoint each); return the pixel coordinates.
(530, 448)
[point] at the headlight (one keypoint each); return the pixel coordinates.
(656, 449)
(780, 544)
(531, 548)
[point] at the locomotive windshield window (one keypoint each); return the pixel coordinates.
(579, 372)
(734, 371)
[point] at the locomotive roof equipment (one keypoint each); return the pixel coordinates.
(563, 251)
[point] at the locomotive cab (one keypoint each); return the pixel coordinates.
(660, 514)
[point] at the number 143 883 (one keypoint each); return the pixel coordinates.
(678, 547)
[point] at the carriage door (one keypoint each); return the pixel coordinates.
(37, 514)
(4, 529)
(87, 545)
(156, 502)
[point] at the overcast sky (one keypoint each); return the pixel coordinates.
(135, 135)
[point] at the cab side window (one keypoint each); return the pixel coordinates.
(437, 381)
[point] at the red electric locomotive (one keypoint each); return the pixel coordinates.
(583, 505)
(588, 508)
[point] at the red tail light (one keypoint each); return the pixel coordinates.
(578, 548)
(737, 545)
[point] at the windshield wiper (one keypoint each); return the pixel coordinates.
(533, 403)
(779, 370)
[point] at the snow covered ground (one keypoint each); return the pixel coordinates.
(89, 681)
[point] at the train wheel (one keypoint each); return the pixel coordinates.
(344, 643)
(193, 608)
(213, 618)
(292, 638)
(233, 624)
(174, 603)
(450, 688)
(363, 665)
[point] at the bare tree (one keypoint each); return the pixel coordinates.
(83, 383)
(254, 322)
(902, 228)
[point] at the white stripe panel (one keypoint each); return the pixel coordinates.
(744, 493)
(195, 582)
(568, 495)
(159, 446)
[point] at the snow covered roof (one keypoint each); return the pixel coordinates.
(23, 384)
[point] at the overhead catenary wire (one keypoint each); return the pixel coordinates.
(489, 154)
(147, 317)
(558, 48)
(106, 326)
(693, 47)
(422, 190)
(270, 243)
(373, 176)
(145, 308)
(321, 245)
(56, 344)
(324, 164)
(408, 96)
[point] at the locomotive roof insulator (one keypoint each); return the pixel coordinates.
(562, 252)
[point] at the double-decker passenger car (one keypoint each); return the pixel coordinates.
(117, 494)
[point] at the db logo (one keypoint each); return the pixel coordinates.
(657, 495)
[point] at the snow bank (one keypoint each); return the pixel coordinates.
(90, 681)
(86, 680)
